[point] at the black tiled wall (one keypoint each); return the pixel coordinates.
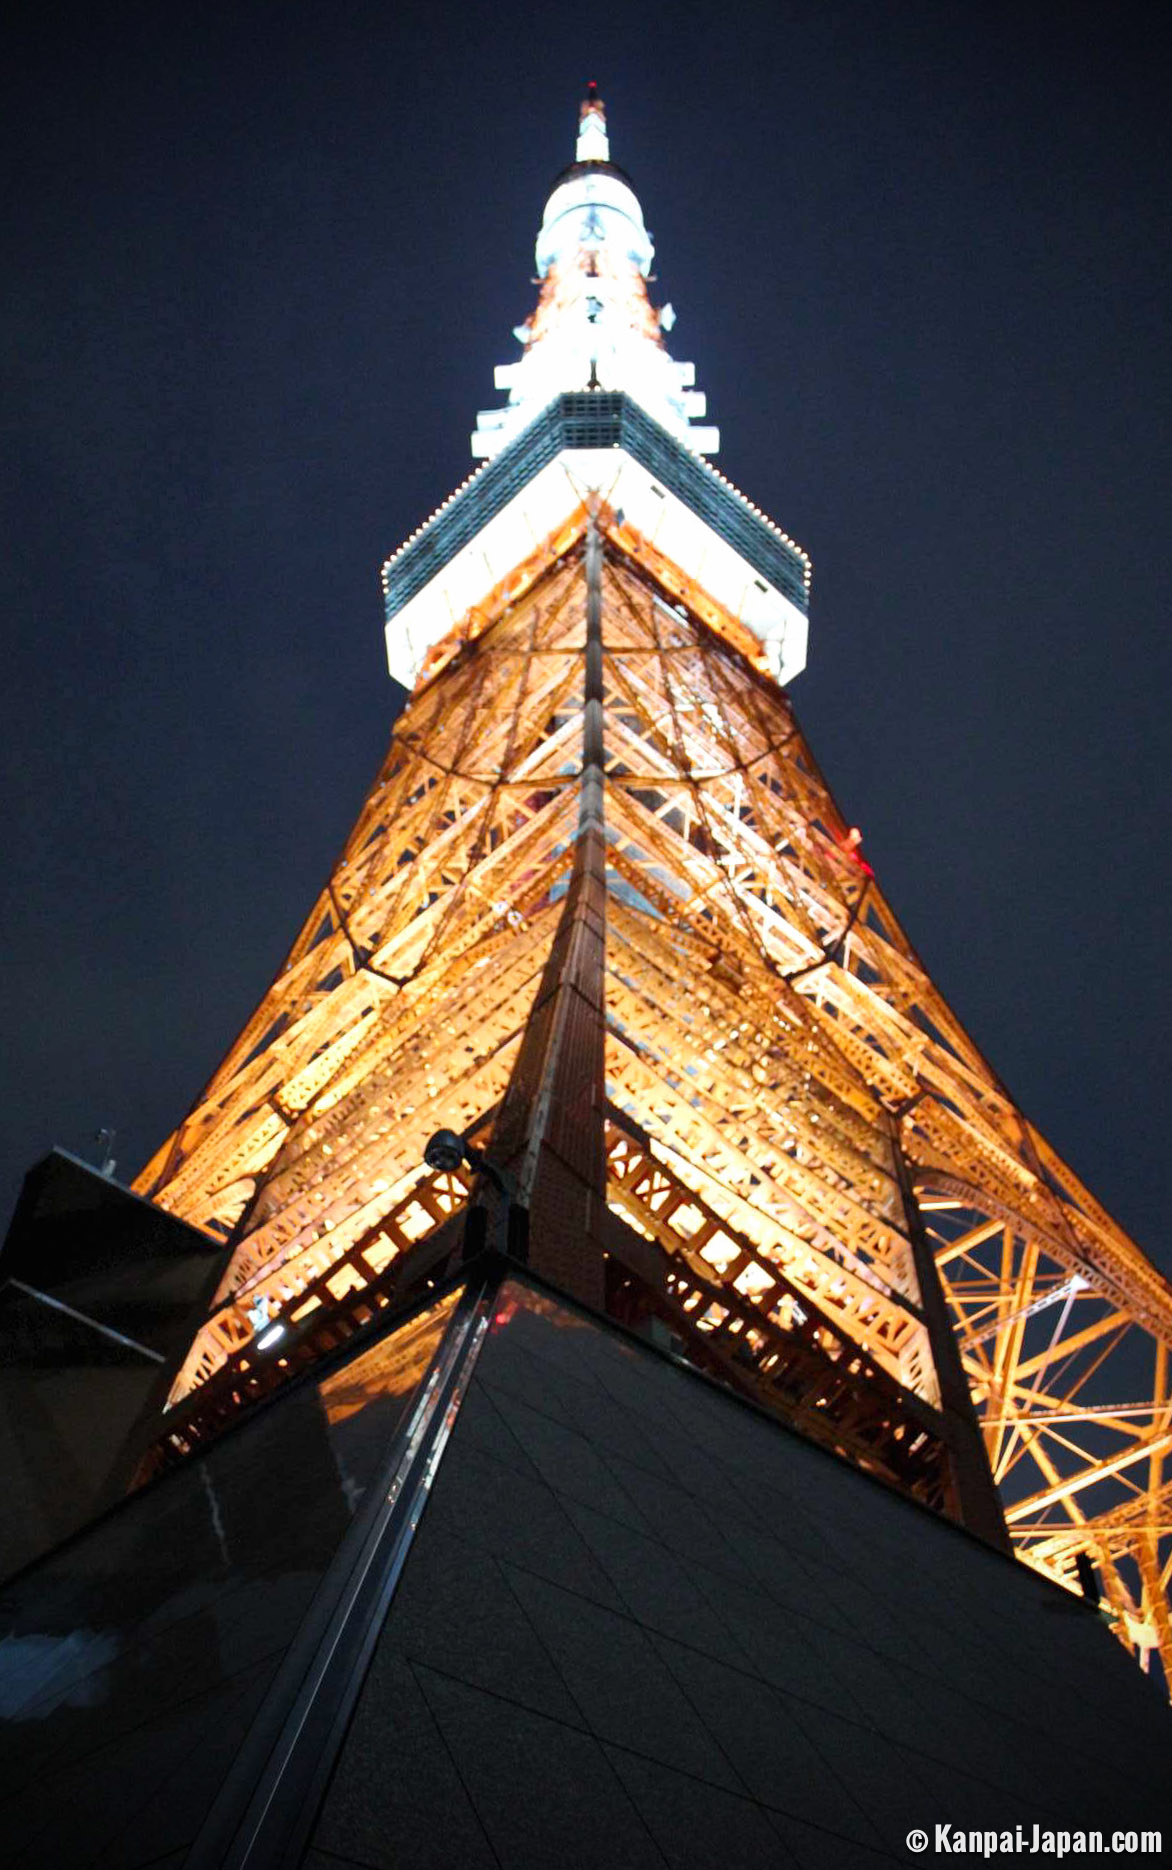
(641, 1626)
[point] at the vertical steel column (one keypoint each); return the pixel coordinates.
(975, 1500)
(549, 1133)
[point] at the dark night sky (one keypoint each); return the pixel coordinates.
(259, 265)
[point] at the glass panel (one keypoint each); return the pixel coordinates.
(133, 1661)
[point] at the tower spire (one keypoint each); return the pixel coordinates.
(594, 326)
(593, 142)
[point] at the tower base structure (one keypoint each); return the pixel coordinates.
(502, 1584)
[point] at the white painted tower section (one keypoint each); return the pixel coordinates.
(594, 326)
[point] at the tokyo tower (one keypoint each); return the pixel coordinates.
(600, 917)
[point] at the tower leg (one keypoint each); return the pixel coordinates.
(550, 1132)
(975, 1501)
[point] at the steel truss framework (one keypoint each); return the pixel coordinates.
(682, 1013)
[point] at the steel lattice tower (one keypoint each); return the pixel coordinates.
(601, 917)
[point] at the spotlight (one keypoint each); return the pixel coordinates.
(445, 1152)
